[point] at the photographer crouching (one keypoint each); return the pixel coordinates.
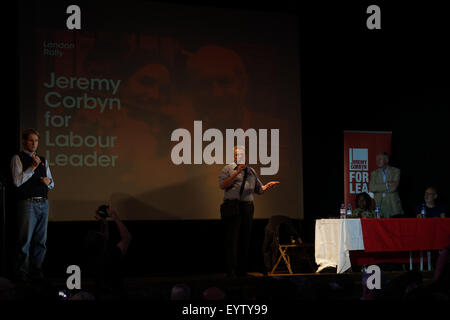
(105, 256)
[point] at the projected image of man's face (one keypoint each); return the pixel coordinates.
(148, 87)
(145, 95)
(218, 83)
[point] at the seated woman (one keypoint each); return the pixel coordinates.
(363, 207)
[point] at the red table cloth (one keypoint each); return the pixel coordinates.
(391, 240)
(381, 235)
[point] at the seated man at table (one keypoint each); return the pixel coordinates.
(433, 208)
(363, 206)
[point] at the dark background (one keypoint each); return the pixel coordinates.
(352, 78)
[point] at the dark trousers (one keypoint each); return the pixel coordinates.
(237, 239)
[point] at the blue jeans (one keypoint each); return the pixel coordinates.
(32, 218)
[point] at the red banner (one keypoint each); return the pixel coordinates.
(360, 150)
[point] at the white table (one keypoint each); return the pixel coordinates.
(334, 239)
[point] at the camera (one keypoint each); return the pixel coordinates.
(62, 294)
(102, 211)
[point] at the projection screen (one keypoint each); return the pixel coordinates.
(109, 98)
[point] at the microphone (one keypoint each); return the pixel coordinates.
(36, 155)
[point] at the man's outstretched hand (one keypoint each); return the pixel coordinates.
(269, 185)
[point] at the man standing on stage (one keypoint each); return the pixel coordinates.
(384, 185)
(32, 177)
(238, 224)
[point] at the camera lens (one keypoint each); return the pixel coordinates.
(102, 211)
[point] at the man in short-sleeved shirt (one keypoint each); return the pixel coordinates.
(238, 227)
(252, 183)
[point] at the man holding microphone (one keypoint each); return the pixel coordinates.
(239, 182)
(32, 179)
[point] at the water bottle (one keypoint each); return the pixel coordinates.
(342, 211)
(423, 211)
(378, 211)
(349, 210)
